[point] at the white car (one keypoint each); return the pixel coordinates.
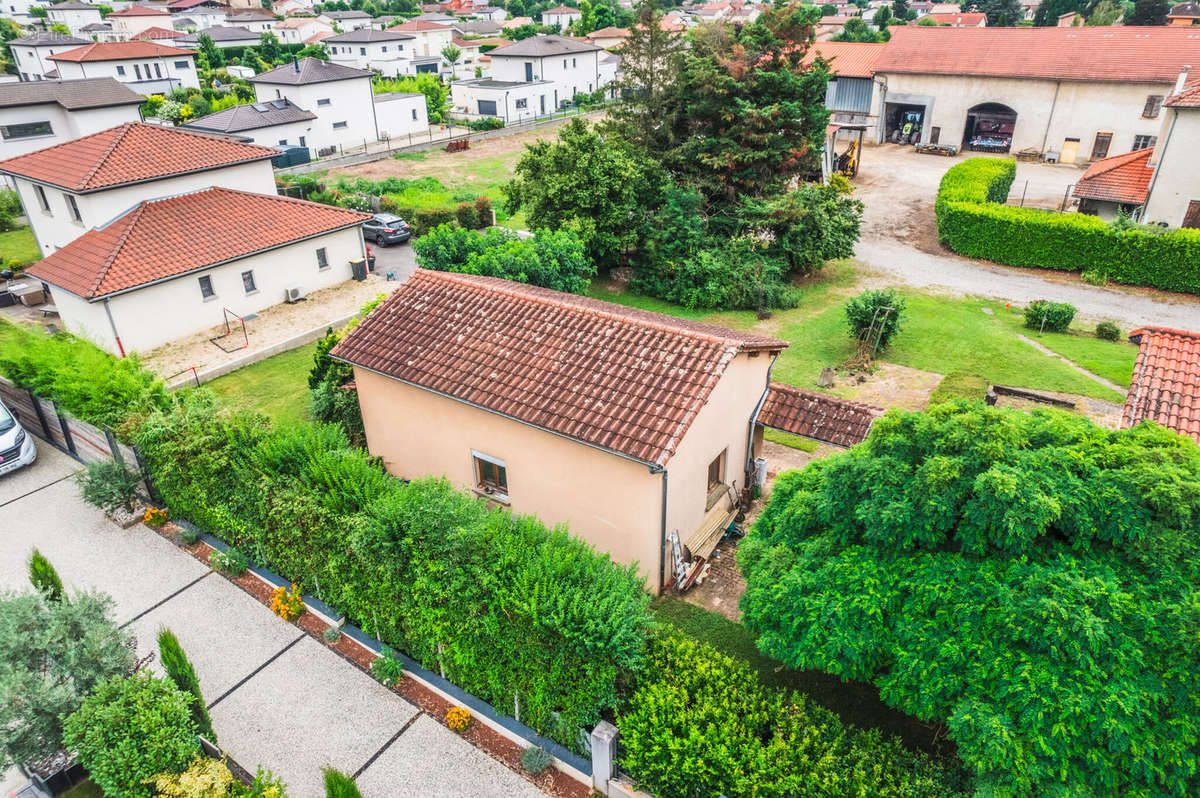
(16, 445)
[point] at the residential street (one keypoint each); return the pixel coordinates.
(278, 698)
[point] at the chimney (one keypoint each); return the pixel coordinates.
(1183, 76)
(295, 64)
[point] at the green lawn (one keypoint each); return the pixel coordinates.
(19, 245)
(276, 387)
(857, 703)
(86, 789)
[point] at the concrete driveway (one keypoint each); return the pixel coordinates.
(278, 698)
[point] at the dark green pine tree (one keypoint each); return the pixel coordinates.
(1148, 12)
(44, 578)
(181, 672)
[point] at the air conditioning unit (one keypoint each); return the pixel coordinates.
(293, 293)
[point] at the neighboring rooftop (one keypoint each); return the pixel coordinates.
(561, 10)
(419, 24)
(336, 15)
(249, 16)
(1166, 380)
(609, 33)
(156, 32)
(73, 95)
(1184, 11)
(238, 118)
(846, 59)
(71, 5)
(138, 11)
(119, 51)
(1121, 178)
(818, 416)
(309, 70)
(1109, 53)
(1188, 98)
(163, 238)
(969, 19)
(130, 153)
(551, 44)
(368, 35)
(221, 33)
(617, 378)
(47, 39)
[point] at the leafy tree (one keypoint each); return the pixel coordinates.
(52, 654)
(451, 54)
(9, 30)
(313, 51)
(882, 17)
(44, 578)
(58, 27)
(1026, 579)
(436, 93)
(856, 29)
(131, 729)
(900, 9)
(269, 48)
(828, 10)
(526, 31)
(1104, 14)
(809, 225)
(1148, 12)
(600, 188)
(551, 259)
(180, 671)
(587, 19)
(209, 50)
(751, 119)
(38, 11)
(874, 318)
(1000, 13)
(104, 11)
(651, 64)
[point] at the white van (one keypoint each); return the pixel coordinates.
(16, 445)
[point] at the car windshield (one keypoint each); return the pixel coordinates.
(6, 420)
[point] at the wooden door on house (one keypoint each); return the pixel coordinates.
(1070, 151)
(1191, 217)
(1100, 148)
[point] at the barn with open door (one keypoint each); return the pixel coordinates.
(989, 128)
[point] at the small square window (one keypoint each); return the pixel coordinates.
(716, 471)
(322, 259)
(339, 125)
(362, 50)
(206, 287)
(523, 103)
(181, 64)
(1144, 142)
(248, 282)
(120, 69)
(491, 476)
(323, 102)
(73, 207)
(43, 200)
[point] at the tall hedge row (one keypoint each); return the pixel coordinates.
(527, 618)
(972, 221)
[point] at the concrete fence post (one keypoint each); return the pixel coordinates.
(604, 742)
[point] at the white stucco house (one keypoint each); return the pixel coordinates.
(276, 123)
(385, 51)
(255, 21)
(71, 188)
(561, 17)
(31, 53)
(297, 30)
(73, 14)
(145, 67)
(40, 114)
(430, 39)
(175, 266)
(534, 76)
(18, 10)
(129, 22)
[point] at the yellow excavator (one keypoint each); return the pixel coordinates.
(847, 164)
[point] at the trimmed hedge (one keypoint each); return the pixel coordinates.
(972, 221)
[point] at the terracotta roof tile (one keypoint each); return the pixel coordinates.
(119, 51)
(971, 19)
(1117, 54)
(1166, 380)
(625, 380)
(1188, 98)
(172, 236)
(1121, 178)
(139, 11)
(159, 33)
(848, 59)
(130, 153)
(419, 24)
(817, 415)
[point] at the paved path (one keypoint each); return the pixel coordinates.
(278, 698)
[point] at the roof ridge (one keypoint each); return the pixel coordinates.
(584, 304)
(1151, 328)
(1117, 161)
(108, 151)
(130, 220)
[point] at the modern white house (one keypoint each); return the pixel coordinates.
(431, 39)
(348, 112)
(384, 51)
(146, 67)
(489, 13)
(298, 30)
(31, 53)
(129, 22)
(18, 10)
(255, 21)
(39, 114)
(276, 123)
(561, 17)
(534, 76)
(171, 267)
(346, 20)
(222, 36)
(73, 14)
(70, 188)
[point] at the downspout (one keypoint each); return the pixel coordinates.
(662, 537)
(762, 400)
(1050, 119)
(1158, 168)
(112, 324)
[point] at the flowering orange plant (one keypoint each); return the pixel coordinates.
(154, 517)
(288, 605)
(458, 718)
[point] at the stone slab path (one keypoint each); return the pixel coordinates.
(279, 698)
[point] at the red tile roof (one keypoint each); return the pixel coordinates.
(1188, 98)
(168, 237)
(159, 33)
(419, 24)
(1166, 380)
(1116, 54)
(817, 415)
(848, 59)
(620, 379)
(130, 153)
(1121, 178)
(119, 51)
(970, 19)
(561, 10)
(139, 11)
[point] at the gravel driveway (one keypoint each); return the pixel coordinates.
(899, 243)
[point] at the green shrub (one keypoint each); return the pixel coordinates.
(232, 562)
(339, 785)
(535, 759)
(108, 485)
(486, 123)
(738, 274)
(1045, 316)
(388, 668)
(874, 318)
(52, 654)
(44, 578)
(972, 222)
(483, 211)
(1108, 331)
(466, 216)
(131, 729)
(549, 259)
(10, 202)
(180, 671)
(700, 724)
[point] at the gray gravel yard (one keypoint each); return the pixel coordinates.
(282, 700)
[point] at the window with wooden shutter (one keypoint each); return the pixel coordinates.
(1191, 217)
(1153, 106)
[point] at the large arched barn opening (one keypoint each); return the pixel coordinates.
(989, 128)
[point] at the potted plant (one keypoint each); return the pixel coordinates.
(113, 488)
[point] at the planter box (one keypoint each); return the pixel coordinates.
(60, 781)
(127, 518)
